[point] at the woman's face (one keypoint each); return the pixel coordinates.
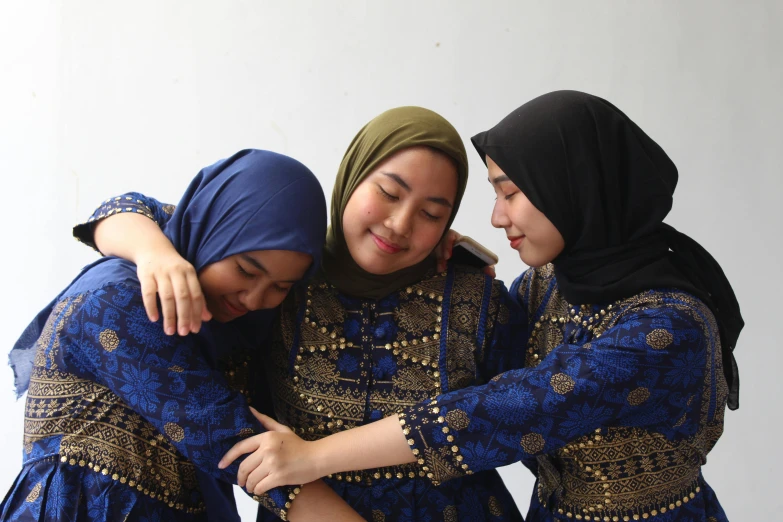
(529, 231)
(397, 214)
(251, 281)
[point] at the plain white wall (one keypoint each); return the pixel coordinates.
(97, 98)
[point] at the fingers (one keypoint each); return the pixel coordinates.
(183, 304)
(490, 271)
(256, 478)
(267, 483)
(149, 295)
(249, 465)
(168, 305)
(240, 448)
(268, 422)
(452, 236)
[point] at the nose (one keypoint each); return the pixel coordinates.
(499, 216)
(253, 299)
(400, 222)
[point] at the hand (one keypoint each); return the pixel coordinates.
(444, 249)
(167, 274)
(277, 458)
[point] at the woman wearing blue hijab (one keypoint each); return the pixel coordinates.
(123, 422)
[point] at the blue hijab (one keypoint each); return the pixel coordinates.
(254, 200)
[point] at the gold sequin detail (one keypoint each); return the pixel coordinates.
(532, 443)
(659, 339)
(458, 419)
(174, 431)
(109, 340)
(638, 396)
(561, 383)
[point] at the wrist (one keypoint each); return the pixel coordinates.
(322, 458)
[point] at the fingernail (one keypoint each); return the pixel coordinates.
(221, 465)
(170, 330)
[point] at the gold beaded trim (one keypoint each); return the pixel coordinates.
(145, 211)
(592, 514)
(425, 469)
(281, 512)
(370, 476)
(160, 494)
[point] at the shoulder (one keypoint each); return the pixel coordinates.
(536, 291)
(669, 310)
(105, 274)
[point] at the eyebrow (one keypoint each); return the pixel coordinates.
(261, 267)
(401, 182)
(499, 179)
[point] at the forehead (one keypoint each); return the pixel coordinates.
(420, 165)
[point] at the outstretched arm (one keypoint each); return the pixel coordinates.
(130, 227)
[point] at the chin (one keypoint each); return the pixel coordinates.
(377, 269)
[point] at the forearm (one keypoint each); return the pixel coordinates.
(317, 502)
(129, 236)
(375, 445)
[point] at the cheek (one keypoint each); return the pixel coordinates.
(428, 235)
(360, 210)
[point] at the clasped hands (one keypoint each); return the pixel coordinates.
(275, 458)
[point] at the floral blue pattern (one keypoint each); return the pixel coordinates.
(615, 412)
(124, 422)
(366, 359)
(338, 361)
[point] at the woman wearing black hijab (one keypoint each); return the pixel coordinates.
(631, 327)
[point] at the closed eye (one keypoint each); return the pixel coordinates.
(244, 273)
(387, 195)
(429, 216)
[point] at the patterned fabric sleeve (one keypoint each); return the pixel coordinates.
(164, 378)
(505, 334)
(651, 363)
(128, 202)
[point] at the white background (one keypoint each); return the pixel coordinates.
(101, 97)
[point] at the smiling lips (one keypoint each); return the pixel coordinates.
(233, 310)
(516, 241)
(386, 245)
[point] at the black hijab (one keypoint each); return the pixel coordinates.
(607, 186)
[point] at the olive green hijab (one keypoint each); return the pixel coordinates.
(390, 132)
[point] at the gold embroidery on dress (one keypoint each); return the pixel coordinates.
(458, 419)
(659, 339)
(495, 508)
(624, 473)
(109, 340)
(638, 396)
(620, 472)
(98, 431)
(318, 399)
(49, 341)
(34, 493)
(561, 383)
(532, 443)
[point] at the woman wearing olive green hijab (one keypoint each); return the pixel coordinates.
(379, 329)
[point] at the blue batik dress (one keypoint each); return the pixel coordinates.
(337, 361)
(123, 422)
(615, 412)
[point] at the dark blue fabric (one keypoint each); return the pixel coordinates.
(273, 196)
(255, 200)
